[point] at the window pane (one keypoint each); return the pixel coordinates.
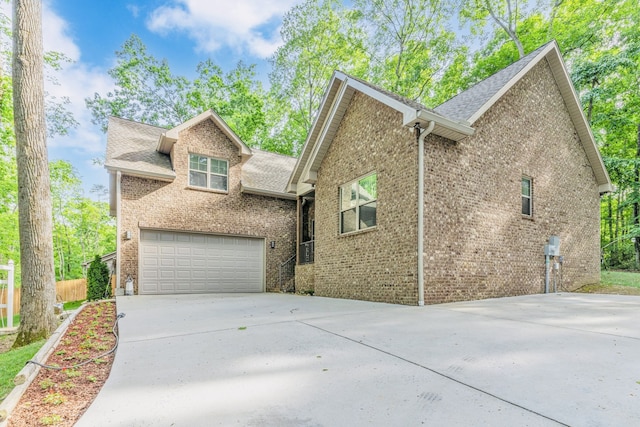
(348, 221)
(526, 206)
(368, 215)
(197, 179)
(218, 182)
(218, 166)
(198, 163)
(526, 187)
(368, 188)
(348, 196)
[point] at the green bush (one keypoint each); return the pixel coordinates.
(98, 286)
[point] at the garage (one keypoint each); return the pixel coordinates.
(180, 263)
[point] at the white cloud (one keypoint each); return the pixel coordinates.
(76, 81)
(245, 25)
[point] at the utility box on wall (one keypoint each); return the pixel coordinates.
(553, 247)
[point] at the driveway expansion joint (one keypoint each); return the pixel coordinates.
(435, 371)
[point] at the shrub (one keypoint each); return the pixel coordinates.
(98, 280)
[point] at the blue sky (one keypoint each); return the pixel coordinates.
(183, 31)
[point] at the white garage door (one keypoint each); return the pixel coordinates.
(177, 263)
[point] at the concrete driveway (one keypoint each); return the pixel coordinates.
(286, 360)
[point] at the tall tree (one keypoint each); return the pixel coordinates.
(409, 44)
(34, 198)
(319, 37)
(148, 91)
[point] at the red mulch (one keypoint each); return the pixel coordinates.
(60, 397)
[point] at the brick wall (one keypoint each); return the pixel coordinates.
(174, 206)
(376, 264)
(477, 243)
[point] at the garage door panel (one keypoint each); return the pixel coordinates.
(172, 262)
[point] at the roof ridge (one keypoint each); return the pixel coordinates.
(470, 100)
(273, 153)
(124, 119)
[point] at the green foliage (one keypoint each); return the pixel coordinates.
(98, 283)
(147, 91)
(82, 226)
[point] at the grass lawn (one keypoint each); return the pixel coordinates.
(16, 321)
(622, 278)
(615, 282)
(12, 362)
(72, 305)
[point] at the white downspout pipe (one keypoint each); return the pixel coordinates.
(422, 134)
(118, 230)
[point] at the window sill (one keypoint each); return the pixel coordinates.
(354, 233)
(206, 190)
(527, 217)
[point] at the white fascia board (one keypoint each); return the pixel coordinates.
(171, 136)
(379, 96)
(260, 192)
(308, 175)
(141, 174)
(606, 188)
(422, 116)
(585, 133)
(307, 149)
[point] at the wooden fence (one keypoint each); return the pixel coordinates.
(68, 290)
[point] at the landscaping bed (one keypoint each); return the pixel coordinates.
(59, 397)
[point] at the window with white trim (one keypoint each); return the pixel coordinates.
(208, 172)
(527, 200)
(358, 203)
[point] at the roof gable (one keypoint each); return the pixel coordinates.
(453, 119)
(168, 138)
(471, 104)
(333, 107)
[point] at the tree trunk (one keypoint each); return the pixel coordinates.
(636, 202)
(37, 320)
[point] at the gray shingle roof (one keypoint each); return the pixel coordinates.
(267, 171)
(131, 146)
(464, 105)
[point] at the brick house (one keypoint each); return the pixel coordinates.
(476, 186)
(197, 210)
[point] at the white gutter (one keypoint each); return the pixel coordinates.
(118, 228)
(268, 193)
(423, 134)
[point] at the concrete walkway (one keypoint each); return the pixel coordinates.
(286, 360)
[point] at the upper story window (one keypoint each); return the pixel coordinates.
(208, 172)
(527, 200)
(358, 202)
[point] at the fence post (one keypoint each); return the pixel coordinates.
(9, 300)
(10, 295)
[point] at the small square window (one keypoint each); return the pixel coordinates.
(527, 206)
(208, 172)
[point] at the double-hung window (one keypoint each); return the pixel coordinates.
(358, 202)
(208, 172)
(527, 199)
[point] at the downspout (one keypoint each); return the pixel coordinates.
(421, 134)
(118, 231)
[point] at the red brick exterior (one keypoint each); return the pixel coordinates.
(147, 203)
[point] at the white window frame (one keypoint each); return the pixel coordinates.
(208, 173)
(528, 197)
(358, 204)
